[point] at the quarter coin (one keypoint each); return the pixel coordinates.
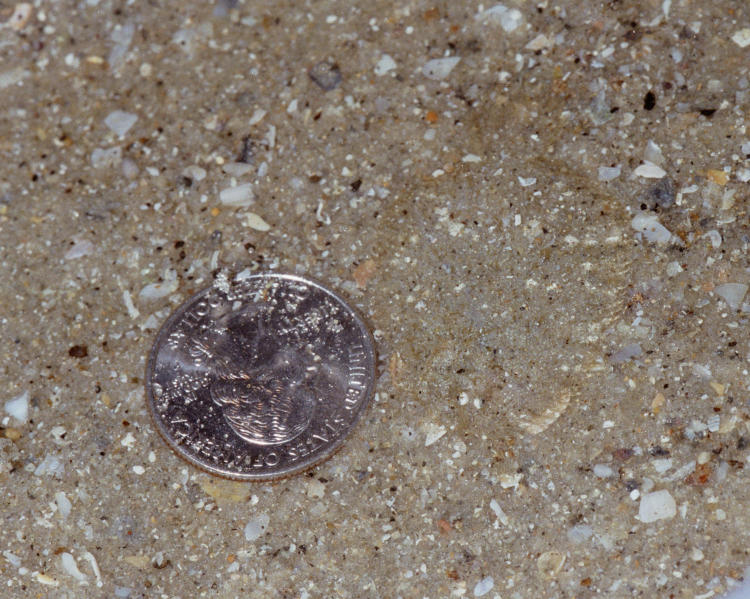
(260, 377)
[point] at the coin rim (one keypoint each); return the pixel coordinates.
(328, 451)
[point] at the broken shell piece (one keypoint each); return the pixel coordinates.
(550, 563)
(21, 15)
(537, 424)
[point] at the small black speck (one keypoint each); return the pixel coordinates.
(355, 185)
(707, 112)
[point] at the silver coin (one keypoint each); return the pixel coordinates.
(260, 377)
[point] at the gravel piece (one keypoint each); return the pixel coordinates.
(326, 75)
(661, 193)
(732, 294)
(106, 158)
(508, 18)
(256, 527)
(120, 122)
(626, 353)
(384, 65)
(659, 505)
(649, 170)
(255, 221)
(239, 196)
(652, 229)
(609, 173)
(742, 37)
(18, 407)
(439, 68)
(484, 586)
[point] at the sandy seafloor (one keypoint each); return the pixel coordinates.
(541, 208)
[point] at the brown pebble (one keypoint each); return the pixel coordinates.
(78, 351)
(12, 433)
(444, 526)
(364, 272)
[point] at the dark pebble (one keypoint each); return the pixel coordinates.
(326, 74)
(661, 193)
(78, 351)
(649, 101)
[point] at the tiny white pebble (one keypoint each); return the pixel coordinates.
(649, 170)
(256, 222)
(241, 195)
(655, 506)
(151, 457)
(128, 441)
(139, 469)
(18, 407)
(120, 122)
(742, 37)
(256, 527)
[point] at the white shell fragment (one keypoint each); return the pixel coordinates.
(256, 527)
(484, 586)
(237, 169)
(158, 290)
(652, 229)
(742, 37)
(658, 505)
(540, 42)
(649, 170)
(653, 154)
(63, 504)
(433, 432)
(18, 407)
(440, 68)
(509, 19)
(535, 424)
(498, 511)
(194, 172)
(71, 567)
(732, 294)
(580, 533)
(12, 77)
(79, 249)
(21, 15)
(608, 173)
(110, 157)
(120, 122)
(384, 65)
(239, 196)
